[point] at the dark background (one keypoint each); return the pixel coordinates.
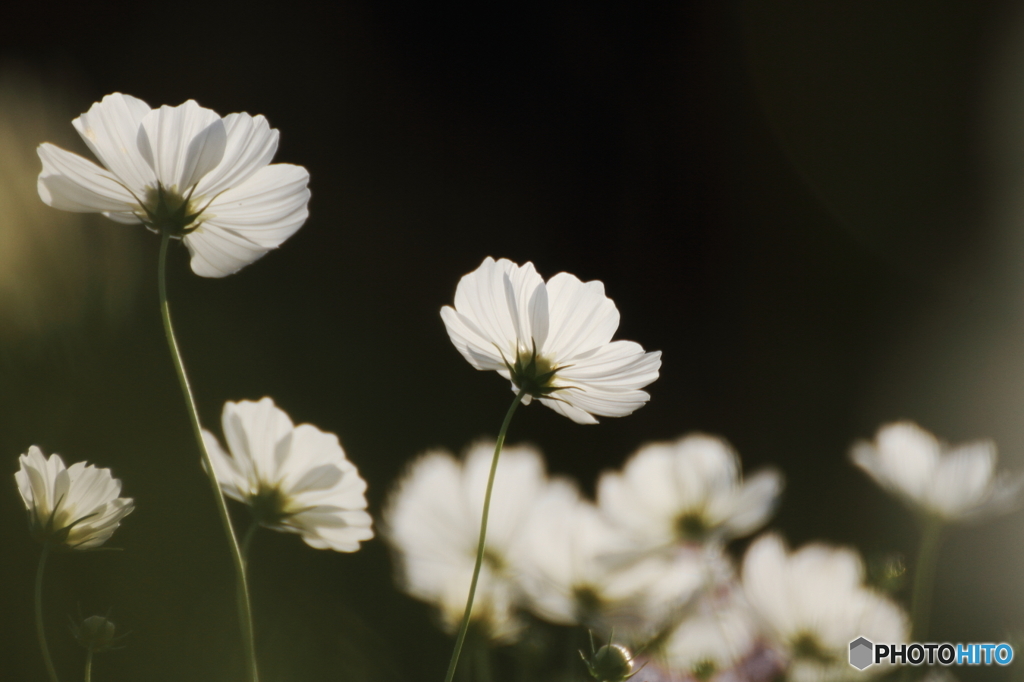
(808, 207)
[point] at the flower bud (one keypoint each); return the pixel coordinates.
(95, 633)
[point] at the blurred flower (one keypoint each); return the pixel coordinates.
(552, 340)
(687, 492)
(568, 554)
(182, 170)
(75, 507)
(717, 634)
(646, 594)
(950, 483)
(294, 478)
(432, 521)
(812, 603)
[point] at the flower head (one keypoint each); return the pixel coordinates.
(185, 171)
(432, 521)
(812, 604)
(687, 492)
(96, 633)
(294, 478)
(952, 483)
(551, 339)
(74, 507)
(717, 634)
(568, 556)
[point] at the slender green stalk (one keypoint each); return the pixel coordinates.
(244, 604)
(924, 578)
(481, 544)
(40, 632)
(88, 666)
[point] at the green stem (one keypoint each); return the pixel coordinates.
(88, 666)
(481, 543)
(924, 577)
(244, 604)
(40, 632)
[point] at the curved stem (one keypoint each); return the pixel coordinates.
(481, 544)
(40, 632)
(244, 604)
(88, 666)
(924, 577)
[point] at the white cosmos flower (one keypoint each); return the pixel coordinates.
(568, 556)
(687, 492)
(76, 507)
(294, 478)
(813, 603)
(952, 483)
(551, 339)
(432, 521)
(185, 170)
(717, 634)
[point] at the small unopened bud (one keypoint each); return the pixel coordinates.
(96, 633)
(610, 663)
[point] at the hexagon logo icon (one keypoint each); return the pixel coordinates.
(861, 653)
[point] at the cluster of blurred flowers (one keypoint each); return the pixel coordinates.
(649, 562)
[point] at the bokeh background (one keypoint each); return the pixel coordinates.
(813, 209)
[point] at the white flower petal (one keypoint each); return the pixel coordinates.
(582, 316)
(218, 253)
(266, 209)
(250, 146)
(468, 340)
(182, 144)
(70, 183)
(232, 480)
(243, 223)
(111, 129)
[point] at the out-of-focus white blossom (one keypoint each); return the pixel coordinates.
(551, 339)
(687, 492)
(185, 171)
(952, 483)
(76, 507)
(294, 478)
(812, 603)
(716, 634)
(432, 521)
(568, 555)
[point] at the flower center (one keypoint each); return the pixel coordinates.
(691, 527)
(704, 670)
(534, 373)
(167, 210)
(806, 646)
(587, 602)
(268, 506)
